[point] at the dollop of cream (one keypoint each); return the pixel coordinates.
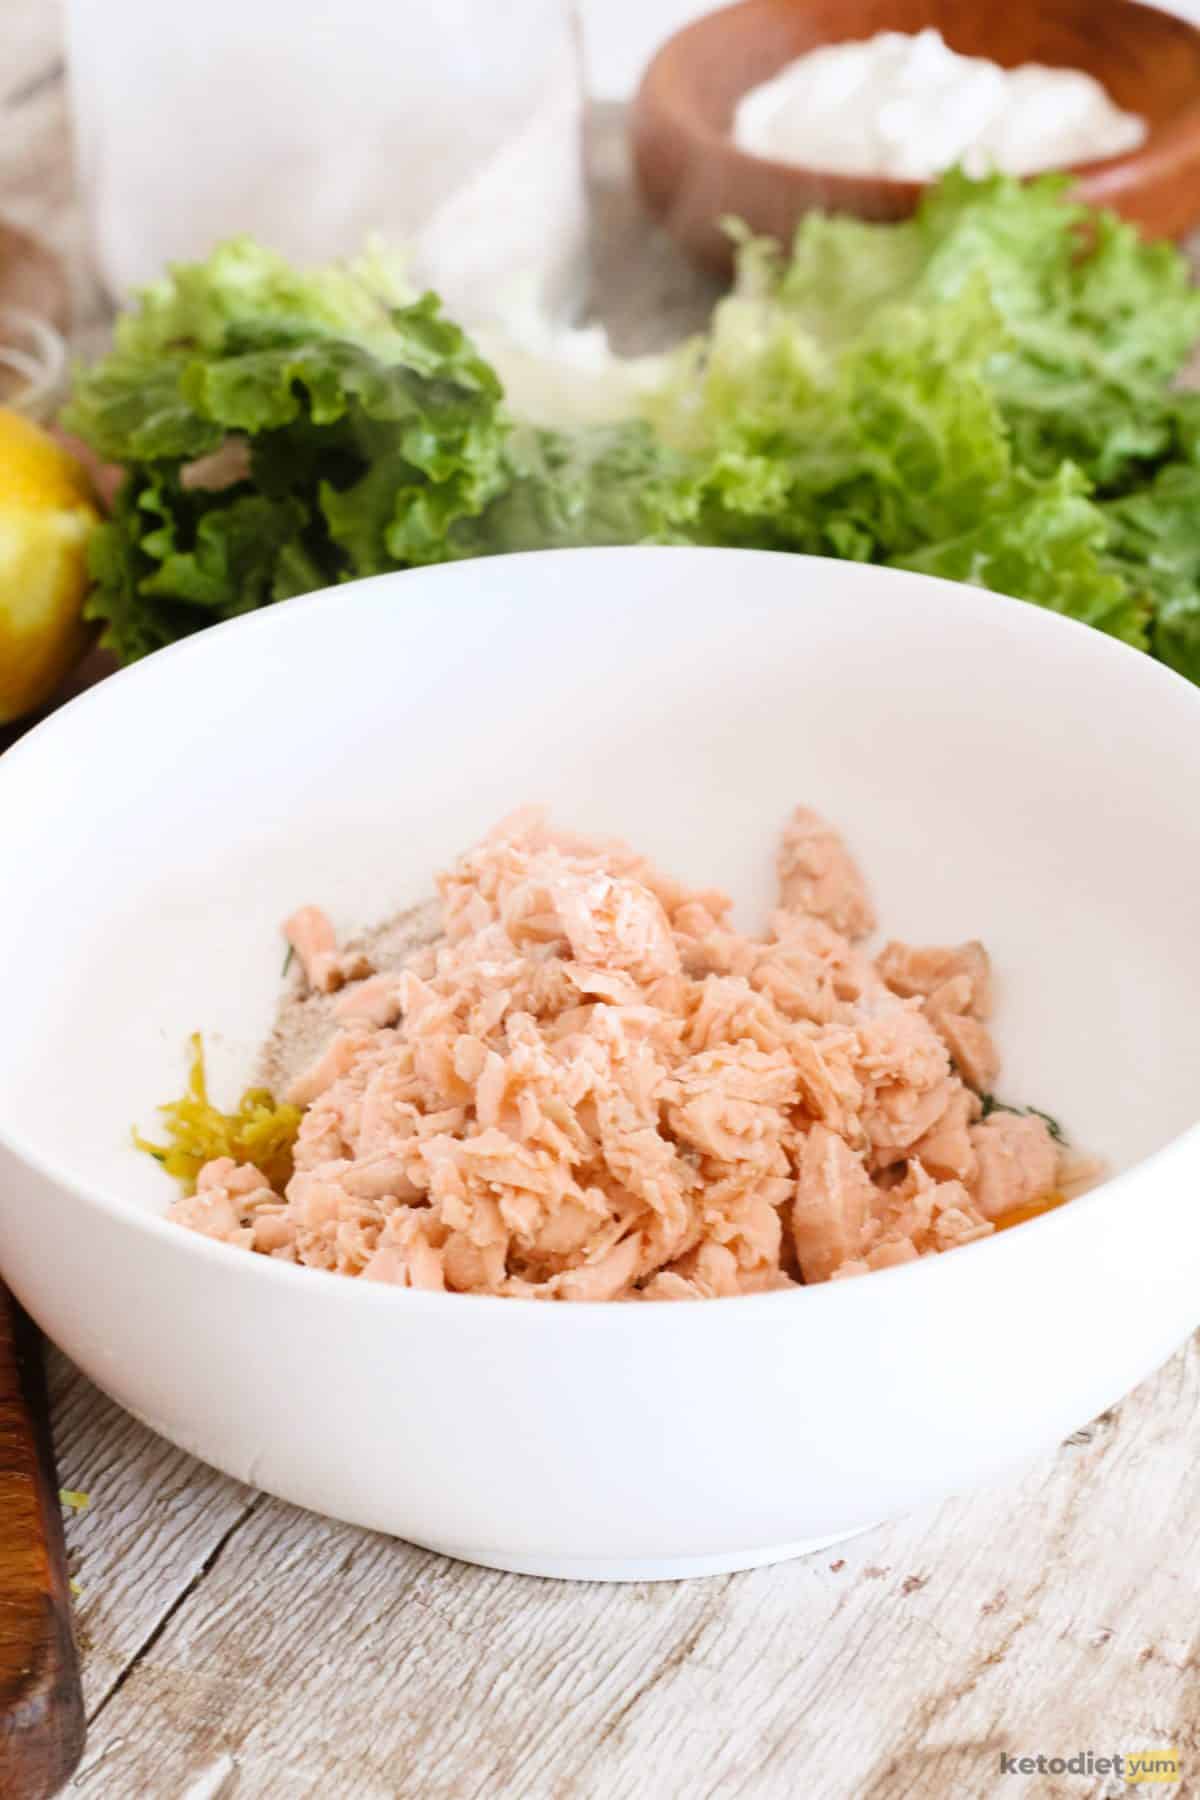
(910, 107)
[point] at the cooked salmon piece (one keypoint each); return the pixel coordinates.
(819, 877)
(918, 973)
(904, 1070)
(606, 1278)
(376, 1001)
(333, 1063)
(834, 1200)
(955, 984)
(226, 1203)
(946, 1149)
(593, 1086)
(923, 1212)
(1017, 1162)
(312, 937)
(972, 1049)
(613, 923)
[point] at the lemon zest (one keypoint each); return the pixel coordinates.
(259, 1131)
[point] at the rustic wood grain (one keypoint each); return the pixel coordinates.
(694, 176)
(235, 1648)
(154, 1520)
(1057, 1612)
(41, 1709)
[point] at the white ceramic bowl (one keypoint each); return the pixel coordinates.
(1000, 771)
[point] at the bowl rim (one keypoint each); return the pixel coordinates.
(187, 1244)
(1160, 146)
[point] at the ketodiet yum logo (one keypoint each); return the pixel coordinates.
(1128, 1765)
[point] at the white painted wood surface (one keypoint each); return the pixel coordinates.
(236, 1647)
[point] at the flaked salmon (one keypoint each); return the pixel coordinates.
(592, 1086)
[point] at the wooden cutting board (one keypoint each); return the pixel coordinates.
(41, 1707)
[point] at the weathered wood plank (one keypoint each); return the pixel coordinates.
(1054, 1614)
(154, 1519)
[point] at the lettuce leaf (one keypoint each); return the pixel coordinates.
(867, 450)
(961, 393)
(170, 561)
(605, 484)
(1155, 544)
(369, 427)
(1049, 547)
(1096, 322)
(986, 391)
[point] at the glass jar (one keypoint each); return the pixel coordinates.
(454, 128)
(33, 364)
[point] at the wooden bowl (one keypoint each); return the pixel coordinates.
(693, 175)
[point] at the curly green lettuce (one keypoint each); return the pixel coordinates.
(1155, 544)
(986, 391)
(1049, 546)
(355, 424)
(1095, 321)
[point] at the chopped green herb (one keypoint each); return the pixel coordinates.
(1052, 1125)
(287, 961)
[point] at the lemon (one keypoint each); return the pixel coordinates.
(46, 518)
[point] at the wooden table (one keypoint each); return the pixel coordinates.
(234, 1646)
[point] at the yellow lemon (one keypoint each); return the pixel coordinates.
(46, 517)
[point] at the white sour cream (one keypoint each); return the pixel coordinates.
(910, 107)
